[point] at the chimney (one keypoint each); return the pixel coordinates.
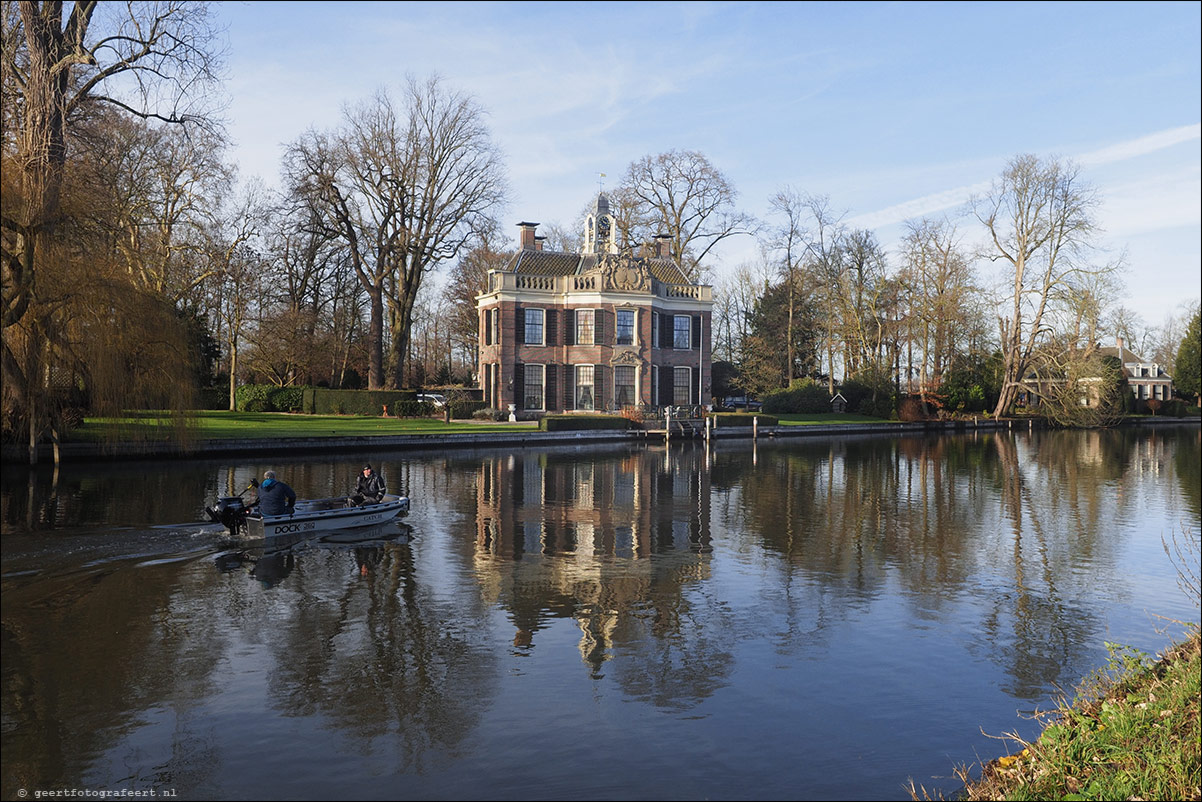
(538, 243)
(528, 238)
(1119, 343)
(663, 246)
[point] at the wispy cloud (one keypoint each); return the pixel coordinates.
(952, 198)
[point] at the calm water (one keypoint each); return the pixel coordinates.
(808, 619)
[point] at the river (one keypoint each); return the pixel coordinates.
(813, 618)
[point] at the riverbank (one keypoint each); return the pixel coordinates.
(272, 434)
(1132, 733)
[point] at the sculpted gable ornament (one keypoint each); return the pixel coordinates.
(626, 273)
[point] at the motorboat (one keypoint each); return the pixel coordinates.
(308, 518)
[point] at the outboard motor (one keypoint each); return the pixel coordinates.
(230, 512)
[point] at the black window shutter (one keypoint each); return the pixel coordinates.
(665, 385)
(599, 338)
(519, 385)
(569, 327)
(697, 333)
(569, 387)
(550, 391)
(549, 327)
(667, 333)
(599, 388)
(695, 385)
(520, 328)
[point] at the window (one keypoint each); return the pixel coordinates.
(682, 385)
(682, 326)
(534, 387)
(494, 325)
(655, 329)
(624, 332)
(624, 385)
(584, 386)
(584, 327)
(534, 327)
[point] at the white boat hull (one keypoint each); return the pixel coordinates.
(317, 516)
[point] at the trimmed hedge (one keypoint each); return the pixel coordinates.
(565, 423)
(724, 420)
(466, 410)
(267, 398)
(412, 409)
(324, 401)
(803, 396)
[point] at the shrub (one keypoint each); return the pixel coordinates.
(562, 423)
(252, 398)
(911, 408)
(488, 413)
(803, 396)
(213, 398)
(413, 409)
(464, 409)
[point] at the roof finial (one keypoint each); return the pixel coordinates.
(600, 176)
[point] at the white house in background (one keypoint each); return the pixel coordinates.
(1148, 380)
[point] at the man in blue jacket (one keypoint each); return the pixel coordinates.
(275, 497)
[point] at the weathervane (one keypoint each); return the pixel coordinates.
(600, 176)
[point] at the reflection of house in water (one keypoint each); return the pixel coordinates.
(594, 537)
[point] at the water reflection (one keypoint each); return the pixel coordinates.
(814, 596)
(614, 542)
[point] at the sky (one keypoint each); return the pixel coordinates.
(893, 110)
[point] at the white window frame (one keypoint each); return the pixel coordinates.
(582, 372)
(677, 387)
(541, 324)
(676, 332)
(633, 385)
(591, 316)
(634, 326)
(541, 383)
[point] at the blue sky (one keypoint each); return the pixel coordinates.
(891, 109)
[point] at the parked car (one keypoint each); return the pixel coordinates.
(437, 399)
(742, 402)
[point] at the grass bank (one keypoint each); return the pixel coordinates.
(211, 425)
(1132, 732)
(825, 418)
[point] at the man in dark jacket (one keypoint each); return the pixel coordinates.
(370, 489)
(275, 497)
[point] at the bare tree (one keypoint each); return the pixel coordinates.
(682, 195)
(1038, 217)
(404, 187)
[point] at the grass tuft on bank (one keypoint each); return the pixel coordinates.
(1132, 732)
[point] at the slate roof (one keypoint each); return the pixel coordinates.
(552, 263)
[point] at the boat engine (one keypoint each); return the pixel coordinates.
(230, 512)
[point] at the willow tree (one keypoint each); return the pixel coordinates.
(150, 61)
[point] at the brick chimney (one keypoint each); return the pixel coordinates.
(538, 243)
(528, 238)
(663, 246)
(1119, 342)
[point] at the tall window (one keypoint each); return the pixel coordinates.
(584, 327)
(624, 385)
(655, 329)
(682, 385)
(534, 387)
(624, 333)
(681, 328)
(534, 327)
(584, 387)
(494, 325)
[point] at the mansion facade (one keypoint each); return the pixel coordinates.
(597, 330)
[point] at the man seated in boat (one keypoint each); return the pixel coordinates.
(275, 497)
(370, 489)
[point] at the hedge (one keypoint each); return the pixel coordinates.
(268, 398)
(324, 401)
(564, 423)
(723, 420)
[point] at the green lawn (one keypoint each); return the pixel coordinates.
(206, 425)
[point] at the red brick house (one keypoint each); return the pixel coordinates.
(597, 330)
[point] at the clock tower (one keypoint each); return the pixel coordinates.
(600, 231)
